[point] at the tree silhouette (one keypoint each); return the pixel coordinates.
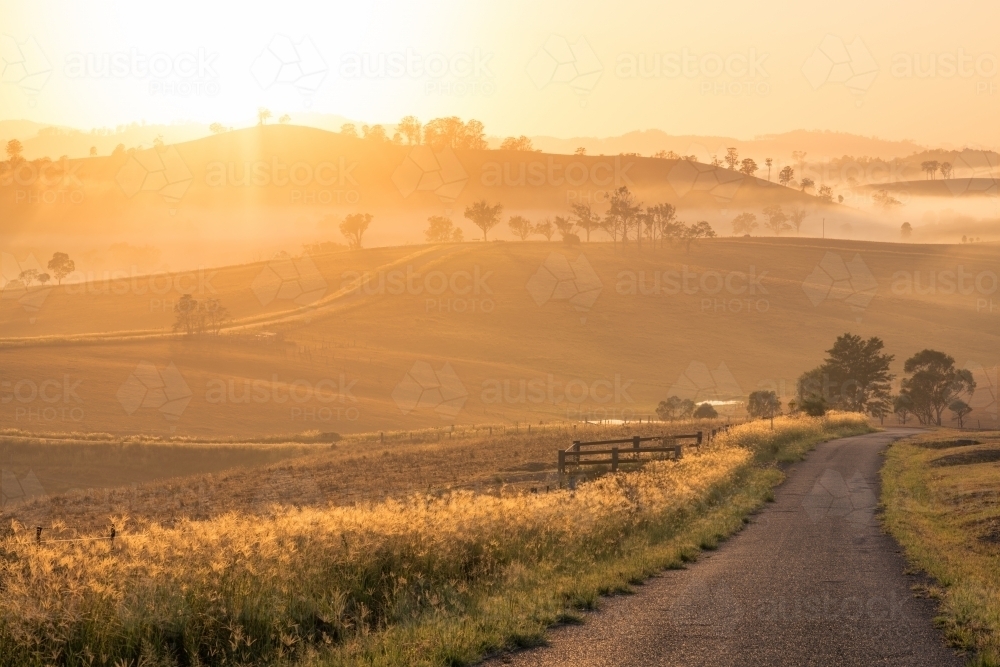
(807, 183)
(451, 132)
(930, 167)
(946, 169)
(662, 220)
(483, 215)
(14, 150)
(732, 158)
(586, 219)
(545, 228)
(354, 227)
(785, 175)
(796, 216)
(521, 226)
(959, 408)
(348, 130)
(440, 229)
(61, 266)
(263, 114)
(934, 383)
(777, 220)
(905, 230)
(883, 199)
(748, 166)
(768, 162)
(698, 230)
(521, 143)
(410, 128)
(623, 213)
(744, 223)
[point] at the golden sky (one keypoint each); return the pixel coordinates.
(927, 71)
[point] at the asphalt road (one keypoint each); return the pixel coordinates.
(812, 581)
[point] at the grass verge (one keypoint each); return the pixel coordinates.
(940, 493)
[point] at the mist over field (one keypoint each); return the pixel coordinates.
(391, 334)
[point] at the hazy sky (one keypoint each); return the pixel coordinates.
(927, 71)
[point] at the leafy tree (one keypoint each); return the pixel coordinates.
(440, 229)
(217, 128)
(902, 406)
(451, 132)
(285, 119)
(586, 219)
(565, 227)
(354, 227)
(748, 166)
(825, 193)
(93, 151)
(374, 133)
(580, 151)
(946, 169)
(777, 219)
(410, 128)
(348, 130)
(705, 411)
(521, 143)
(622, 215)
(263, 115)
(14, 151)
(214, 315)
(768, 162)
(854, 376)
(119, 150)
(697, 230)
(662, 222)
(934, 384)
(785, 176)
(188, 317)
(520, 226)
(483, 215)
(960, 409)
(905, 230)
(744, 223)
(61, 266)
(545, 228)
(930, 167)
(807, 183)
(732, 158)
(884, 200)
(797, 216)
(763, 405)
(674, 408)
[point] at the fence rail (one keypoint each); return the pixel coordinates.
(579, 453)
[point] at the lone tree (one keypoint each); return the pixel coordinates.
(61, 266)
(748, 166)
(732, 158)
(263, 114)
(705, 411)
(768, 162)
(483, 215)
(440, 229)
(777, 219)
(785, 176)
(763, 405)
(959, 408)
(520, 226)
(744, 223)
(934, 384)
(797, 216)
(354, 227)
(854, 376)
(674, 408)
(14, 150)
(188, 316)
(586, 219)
(905, 230)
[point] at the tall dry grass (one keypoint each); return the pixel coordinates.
(241, 590)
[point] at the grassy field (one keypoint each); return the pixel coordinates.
(940, 496)
(427, 579)
(352, 359)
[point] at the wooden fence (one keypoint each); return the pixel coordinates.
(630, 450)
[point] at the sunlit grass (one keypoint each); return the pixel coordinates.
(432, 580)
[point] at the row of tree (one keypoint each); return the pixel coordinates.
(855, 376)
(684, 408)
(775, 219)
(60, 266)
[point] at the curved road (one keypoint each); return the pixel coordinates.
(812, 581)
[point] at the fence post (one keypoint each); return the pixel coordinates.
(678, 451)
(113, 533)
(699, 438)
(562, 461)
(38, 534)
(635, 446)
(614, 459)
